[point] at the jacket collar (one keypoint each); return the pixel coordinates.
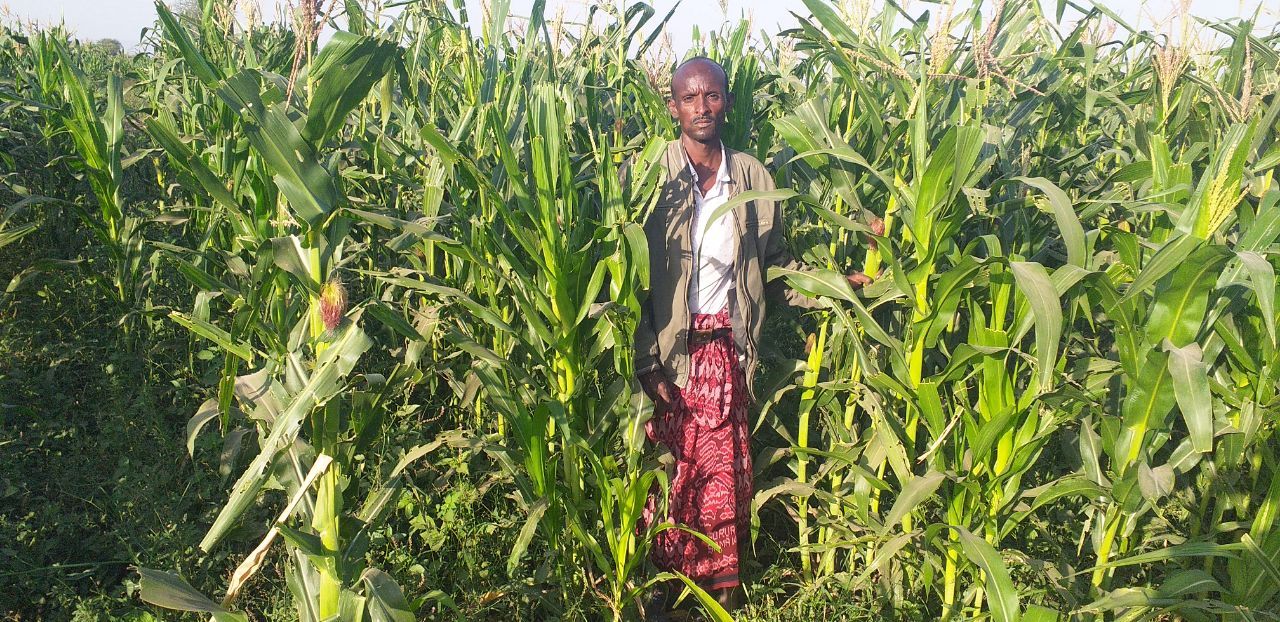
(722, 172)
(728, 172)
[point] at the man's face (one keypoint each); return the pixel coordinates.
(699, 101)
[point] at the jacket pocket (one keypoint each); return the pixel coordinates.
(659, 218)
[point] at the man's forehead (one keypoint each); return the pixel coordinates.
(701, 73)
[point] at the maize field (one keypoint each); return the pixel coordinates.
(364, 283)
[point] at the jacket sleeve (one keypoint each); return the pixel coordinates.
(776, 254)
(645, 339)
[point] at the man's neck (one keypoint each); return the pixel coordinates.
(704, 156)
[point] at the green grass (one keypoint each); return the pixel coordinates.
(96, 477)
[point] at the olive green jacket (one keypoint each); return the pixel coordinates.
(661, 336)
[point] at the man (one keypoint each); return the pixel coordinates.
(697, 343)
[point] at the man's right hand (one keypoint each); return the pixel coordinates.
(659, 389)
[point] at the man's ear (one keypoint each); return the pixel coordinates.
(671, 108)
(729, 100)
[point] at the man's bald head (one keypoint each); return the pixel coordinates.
(699, 99)
(694, 66)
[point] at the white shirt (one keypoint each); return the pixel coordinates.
(714, 247)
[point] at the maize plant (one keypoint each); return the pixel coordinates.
(97, 138)
(297, 321)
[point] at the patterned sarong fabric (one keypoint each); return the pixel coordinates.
(706, 432)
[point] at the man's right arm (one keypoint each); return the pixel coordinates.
(646, 342)
(648, 363)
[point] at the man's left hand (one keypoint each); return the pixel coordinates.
(859, 280)
(876, 226)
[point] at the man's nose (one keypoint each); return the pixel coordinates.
(704, 106)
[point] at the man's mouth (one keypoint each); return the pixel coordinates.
(703, 121)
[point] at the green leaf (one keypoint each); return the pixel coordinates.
(206, 73)
(1183, 583)
(16, 233)
(207, 412)
(393, 320)
(497, 21)
(1261, 558)
(1179, 306)
(709, 604)
(213, 333)
(742, 198)
(1002, 596)
(1069, 486)
(289, 255)
(930, 405)
(113, 124)
(293, 162)
(357, 22)
(1034, 283)
(1177, 551)
(946, 296)
(885, 554)
(200, 278)
(704, 538)
(1166, 260)
(1068, 222)
(1257, 588)
(814, 283)
(341, 76)
(309, 543)
(334, 365)
(482, 312)
(386, 600)
(1263, 277)
(1149, 400)
(1191, 388)
(168, 590)
(913, 494)
(351, 607)
(443, 147)
(1265, 227)
(952, 163)
(1132, 172)
(1036, 613)
(638, 249)
(525, 536)
(827, 16)
(1134, 599)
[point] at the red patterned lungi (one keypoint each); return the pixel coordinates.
(706, 431)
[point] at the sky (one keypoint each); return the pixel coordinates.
(124, 20)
